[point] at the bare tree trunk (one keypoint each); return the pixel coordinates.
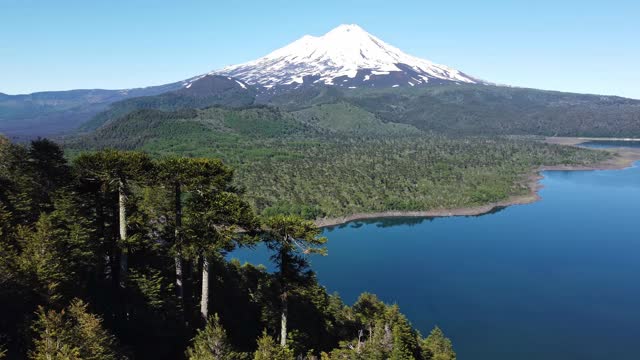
(204, 299)
(179, 277)
(114, 259)
(178, 245)
(283, 320)
(124, 256)
(284, 299)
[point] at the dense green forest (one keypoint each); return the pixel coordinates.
(502, 110)
(447, 109)
(320, 162)
(119, 255)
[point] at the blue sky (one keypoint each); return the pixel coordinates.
(581, 46)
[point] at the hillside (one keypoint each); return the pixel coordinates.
(466, 109)
(337, 159)
(57, 112)
(75, 286)
(210, 90)
(483, 110)
(472, 109)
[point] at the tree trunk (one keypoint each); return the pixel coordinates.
(104, 258)
(179, 277)
(283, 298)
(283, 320)
(204, 299)
(178, 245)
(114, 256)
(124, 255)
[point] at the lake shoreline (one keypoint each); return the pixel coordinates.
(622, 158)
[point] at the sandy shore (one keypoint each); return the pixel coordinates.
(621, 159)
(579, 140)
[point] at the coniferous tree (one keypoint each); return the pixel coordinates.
(218, 222)
(53, 248)
(182, 175)
(292, 239)
(211, 343)
(72, 333)
(437, 347)
(269, 350)
(49, 170)
(117, 169)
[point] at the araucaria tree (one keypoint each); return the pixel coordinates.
(122, 219)
(217, 219)
(184, 175)
(117, 170)
(291, 239)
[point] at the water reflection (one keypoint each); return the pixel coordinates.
(409, 221)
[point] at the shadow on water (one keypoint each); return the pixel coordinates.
(386, 222)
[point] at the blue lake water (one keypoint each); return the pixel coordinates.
(556, 279)
(603, 144)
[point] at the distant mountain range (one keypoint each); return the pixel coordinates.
(56, 112)
(345, 66)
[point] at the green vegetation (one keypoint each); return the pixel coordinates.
(495, 110)
(206, 92)
(342, 117)
(118, 255)
(309, 164)
(343, 177)
(72, 333)
(55, 112)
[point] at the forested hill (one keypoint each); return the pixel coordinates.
(337, 159)
(58, 112)
(208, 91)
(120, 256)
(455, 109)
(483, 110)
(469, 109)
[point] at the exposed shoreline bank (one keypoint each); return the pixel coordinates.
(623, 158)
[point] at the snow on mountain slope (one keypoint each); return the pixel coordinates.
(346, 56)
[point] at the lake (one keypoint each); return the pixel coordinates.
(556, 279)
(604, 144)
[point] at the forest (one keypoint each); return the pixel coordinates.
(121, 255)
(323, 161)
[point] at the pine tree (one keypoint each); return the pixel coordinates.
(269, 350)
(56, 252)
(19, 191)
(70, 334)
(188, 174)
(211, 343)
(41, 257)
(437, 346)
(292, 239)
(49, 170)
(218, 221)
(117, 170)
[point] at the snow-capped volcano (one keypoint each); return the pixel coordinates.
(345, 56)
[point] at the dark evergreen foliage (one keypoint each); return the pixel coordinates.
(64, 294)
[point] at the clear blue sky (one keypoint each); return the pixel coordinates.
(582, 46)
